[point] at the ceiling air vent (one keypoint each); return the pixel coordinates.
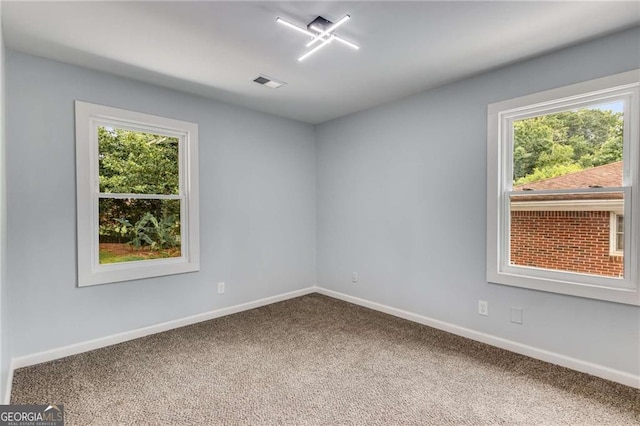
(269, 82)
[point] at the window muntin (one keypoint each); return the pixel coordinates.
(616, 97)
(137, 195)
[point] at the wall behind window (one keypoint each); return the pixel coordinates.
(257, 208)
(402, 201)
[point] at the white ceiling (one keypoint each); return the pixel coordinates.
(216, 49)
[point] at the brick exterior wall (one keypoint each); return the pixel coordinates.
(576, 241)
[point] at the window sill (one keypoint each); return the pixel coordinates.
(618, 294)
(134, 271)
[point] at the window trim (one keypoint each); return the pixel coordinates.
(613, 234)
(499, 178)
(90, 272)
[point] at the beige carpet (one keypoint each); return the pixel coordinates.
(318, 361)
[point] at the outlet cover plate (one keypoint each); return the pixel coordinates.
(483, 307)
(516, 315)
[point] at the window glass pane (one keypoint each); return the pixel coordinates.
(137, 162)
(619, 233)
(135, 229)
(571, 149)
(565, 232)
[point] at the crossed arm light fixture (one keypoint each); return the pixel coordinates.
(328, 30)
(318, 47)
(319, 34)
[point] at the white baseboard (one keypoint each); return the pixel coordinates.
(57, 353)
(530, 351)
(7, 388)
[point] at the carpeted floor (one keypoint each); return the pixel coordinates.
(315, 360)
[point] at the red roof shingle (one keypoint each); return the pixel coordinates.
(609, 175)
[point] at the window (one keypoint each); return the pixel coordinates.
(616, 237)
(563, 171)
(137, 195)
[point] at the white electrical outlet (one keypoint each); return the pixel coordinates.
(220, 288)
(354, 277)
(483, 307)
(516, 315)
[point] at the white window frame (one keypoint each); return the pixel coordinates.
(613, 234)
(88, 118)
(501, 116)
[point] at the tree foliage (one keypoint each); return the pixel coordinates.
(137, 163)
(133, 162)
(566, 142)
(149, 231)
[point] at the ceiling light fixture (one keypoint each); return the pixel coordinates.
(295, 27)
(315, 49)
(341, 40)
(328, 30)
(321, 30)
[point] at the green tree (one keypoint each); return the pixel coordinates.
(548, 172)
(609, 152)
(565, 142)
(136, 162)
(559, 155)
(133, 162)
(532, 137)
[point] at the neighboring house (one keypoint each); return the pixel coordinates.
(571, 232)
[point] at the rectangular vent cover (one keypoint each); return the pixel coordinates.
(269, 82)
(262, 80)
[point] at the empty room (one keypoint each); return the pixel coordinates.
(319, 213)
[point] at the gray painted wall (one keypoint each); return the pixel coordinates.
(5, 358)
(257, 208)
(401, 198)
